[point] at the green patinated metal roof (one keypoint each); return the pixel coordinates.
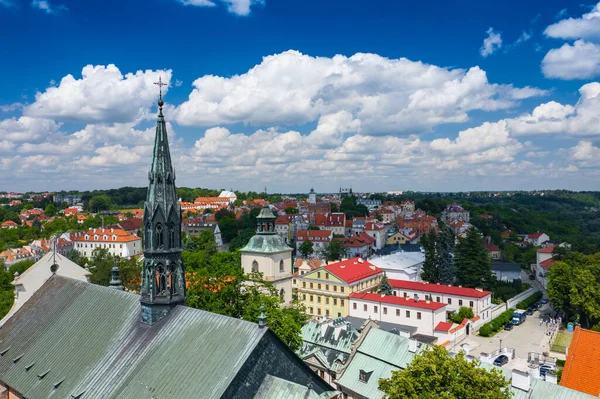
(380, 353)
(277, 388)
(264, 243)
(91, 338)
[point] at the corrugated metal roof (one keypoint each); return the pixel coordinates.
(388, 347)
(277, 388)
(370, 389)
(92, 337)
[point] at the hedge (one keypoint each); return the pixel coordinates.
(530, 300)
(496, 324)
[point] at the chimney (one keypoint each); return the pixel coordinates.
(521, 380)
(413, 345)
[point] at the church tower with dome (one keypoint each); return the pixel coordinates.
(268, 253)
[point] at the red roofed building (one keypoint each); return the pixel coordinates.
(419, 222)
(360, 245)
(326, 290)
(211, 202)
(453, 296)
(335, 222)
(9, 224)
(582, 369)
(387, 216)
(71, 211)
(320, 239)
(117, 241)
(536, 239)
(423, 314)
(543, 261)
(378, 231)
(492, 249)
(287, 226)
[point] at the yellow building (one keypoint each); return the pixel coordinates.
(401, 238)
(325, 291)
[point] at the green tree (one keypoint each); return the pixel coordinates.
(50, 210)
(472, 261)
(444, 255)
(335, 251)
(228, 228)
(385, 287)
(306, 249)
(7, 290)
(99, 203)
(20, 267)
(290, 210)
(430, 271)
(463, 313)
(434, 374)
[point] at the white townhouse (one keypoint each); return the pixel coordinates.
(118, 242)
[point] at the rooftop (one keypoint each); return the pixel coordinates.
(397, 300)
(439, 288)
(582, 369)
(353, 269)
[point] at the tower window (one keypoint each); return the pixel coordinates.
(159, 236)
(255, 266)
(281, 266)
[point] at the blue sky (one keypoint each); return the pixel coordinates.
(380, 95)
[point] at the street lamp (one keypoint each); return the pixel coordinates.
(500, 344)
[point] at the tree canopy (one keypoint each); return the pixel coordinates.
(335, 251)
(306, 249)
(434, 374)
(472, 261)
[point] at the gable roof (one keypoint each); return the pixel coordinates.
(439, 288)
(546, 250)
(547, 263)
(583, 362)
(535, 235)
(125, 358)
(397, 300)
(314, 235)
(353, 269)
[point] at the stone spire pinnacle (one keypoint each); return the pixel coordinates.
(115, 281)
(262, 319)
(163, 273)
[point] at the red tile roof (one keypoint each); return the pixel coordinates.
(9, 223)
(439, 288)
(534, 235)
(353, 269)
(314, 235)
(443, 326)
(546, 250)
(583, 363)
(330, 219)
(106, 235)
(491, 247)
(358, 241)
(396, 300)
(547, 263)
(284, 219)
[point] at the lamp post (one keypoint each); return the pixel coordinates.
(500, 344)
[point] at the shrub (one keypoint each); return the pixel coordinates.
(485, 330)
(530, 300)
(463, 313)
(560, 363)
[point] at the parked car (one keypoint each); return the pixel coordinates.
(508, 327)
(532, 276)
(529, 311)
(501, 360)
(536, 306)
(545, 300)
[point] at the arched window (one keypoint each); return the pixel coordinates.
(171, 235)
(255, 266)
(282, 294)
(159, 236)
(161, 280)
(281, 266)
(173, 280)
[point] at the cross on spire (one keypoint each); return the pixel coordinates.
(160, 85)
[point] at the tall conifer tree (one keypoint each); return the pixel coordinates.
(472, 261)
(430, 272)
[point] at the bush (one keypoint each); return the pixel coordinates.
(530, 300)
(560, 363)
(485, 330)
(463, 313)
(497, 323)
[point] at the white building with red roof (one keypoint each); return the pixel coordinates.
(118, 242)
(378, 231)
(9, 224)
(543, 262)
(326, 290)
(335, 221)
(423, 314)
(320, 239)
(453, 296)
(536, 239)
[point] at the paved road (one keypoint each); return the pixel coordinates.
(528, 337)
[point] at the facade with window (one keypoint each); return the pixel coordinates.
(118, 242)
(325, 291)
(452, 296)
(422, 314)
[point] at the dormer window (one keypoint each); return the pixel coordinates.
(364, 376)
(114, 237)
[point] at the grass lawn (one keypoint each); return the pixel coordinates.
(562, 342)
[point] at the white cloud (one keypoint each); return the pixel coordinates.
(47, 7)
(578, 61)
(525, 36)
(27, 129)
(103, 94)
(7, 3)
(587, 27)
(585, 154)
(11, 107)
(238, 7)
(388, 96)
(491, 43)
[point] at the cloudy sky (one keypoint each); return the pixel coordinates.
(377, 95)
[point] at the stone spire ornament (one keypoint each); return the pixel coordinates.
(262, 319)
(115, 281)
(163, 273)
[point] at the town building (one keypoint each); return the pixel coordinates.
(69, 199)
(193, 226)
(404, 236)
(493, 251)
(454, 212)
(536, 239)
(266, 252)
(582, 368)
(423, 314)
(230, 195)
(386, 215)
(543, 261)
(326, 346)
(118, 242)
(319, 238)
(378, 231)
(401, 265)
(9, 224)
(88, 341)
(369, 203)
(312, 197)
(287, 226)
(335, 222)
(455, 297)
(325, 291)
(506, 271)
(360, 245)
(214, 203)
